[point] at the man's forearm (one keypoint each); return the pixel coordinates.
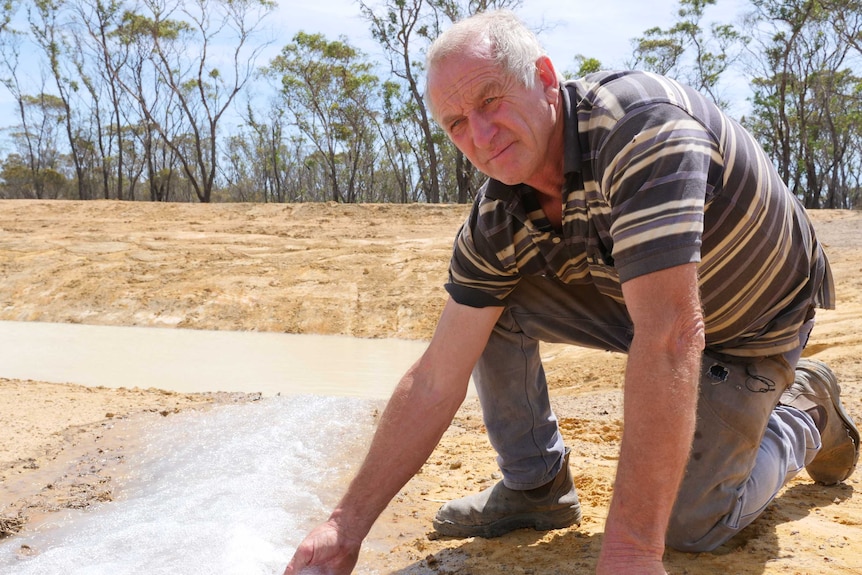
(660, 411)
(418, 413)
(410, 427)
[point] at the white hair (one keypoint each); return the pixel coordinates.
(514, 47)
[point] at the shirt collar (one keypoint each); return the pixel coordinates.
(571, 142)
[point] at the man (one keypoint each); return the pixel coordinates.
(623, 212)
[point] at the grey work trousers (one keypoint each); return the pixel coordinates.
(745, 448)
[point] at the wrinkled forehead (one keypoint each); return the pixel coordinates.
(459, 80)
(461, 94)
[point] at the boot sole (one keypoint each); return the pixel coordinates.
(544, 521)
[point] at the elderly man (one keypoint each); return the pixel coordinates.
(623, 212)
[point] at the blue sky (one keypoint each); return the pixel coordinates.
(601, 29)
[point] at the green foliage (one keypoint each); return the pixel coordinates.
(585, 66)
(806, 97)
(328, 87)
(20, 180)
(688, 52)
(135, 26)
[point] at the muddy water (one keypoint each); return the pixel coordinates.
(196, 360)
(231, 490)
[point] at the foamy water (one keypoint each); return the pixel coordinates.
(229, 491)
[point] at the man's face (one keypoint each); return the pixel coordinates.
(503, 127)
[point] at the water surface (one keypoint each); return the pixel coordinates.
(232, 490)
(198, 360)
(229, 491)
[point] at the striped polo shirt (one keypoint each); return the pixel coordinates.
(656, 176)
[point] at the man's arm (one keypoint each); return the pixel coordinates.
(660, 400)
(418, 413)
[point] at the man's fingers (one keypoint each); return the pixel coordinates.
(297, 564)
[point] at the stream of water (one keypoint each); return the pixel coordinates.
(229, 491)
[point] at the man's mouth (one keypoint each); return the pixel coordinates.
(499, 152)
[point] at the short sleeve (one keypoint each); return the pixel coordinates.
(479, 274)
(659, 165)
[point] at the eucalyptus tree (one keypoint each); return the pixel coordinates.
(50, 29)
(403, 28)
(264, 161)
(329, 90)
(586, 65)
(37, 169)
(7, 10)
(95, 139)
(134, 157)
(808, 96)
(27, 140)
(688, 52)
(153, 117)
(238, 172)
(280, 165)
(17, 181)
(101, 55)
(398, 135)
(178, 40)
(263, 148)
(846, 17)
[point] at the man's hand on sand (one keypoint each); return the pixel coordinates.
(327, 551)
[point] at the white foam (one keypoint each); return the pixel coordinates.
(228, 491)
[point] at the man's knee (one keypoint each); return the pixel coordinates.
(693, 537)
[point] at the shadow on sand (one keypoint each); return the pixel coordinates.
(571, 552)
(522, 551)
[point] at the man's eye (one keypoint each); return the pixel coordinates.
(489, 100)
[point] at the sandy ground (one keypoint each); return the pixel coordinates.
(367, 271)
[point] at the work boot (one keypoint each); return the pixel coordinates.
(815, 391)
(498, 509)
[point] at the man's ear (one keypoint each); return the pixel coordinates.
(547, 74)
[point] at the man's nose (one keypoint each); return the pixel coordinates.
(484, 131)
